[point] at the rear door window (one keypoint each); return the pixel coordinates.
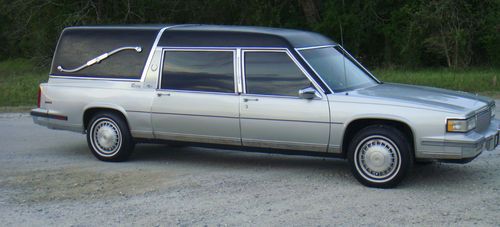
(204, 71)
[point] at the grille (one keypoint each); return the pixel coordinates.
(483, 120)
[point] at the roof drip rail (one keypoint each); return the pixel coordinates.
(99, 58)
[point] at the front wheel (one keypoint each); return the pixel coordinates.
(380, 156)
(109, 138)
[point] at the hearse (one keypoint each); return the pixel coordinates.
(256, 89)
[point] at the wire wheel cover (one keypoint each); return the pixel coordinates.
(377, 158)
(106, 137)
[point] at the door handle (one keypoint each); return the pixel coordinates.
(250, 99)
(160, 94)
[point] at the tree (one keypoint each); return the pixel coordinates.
(450, 26)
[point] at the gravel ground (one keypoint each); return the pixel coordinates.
(50, 178)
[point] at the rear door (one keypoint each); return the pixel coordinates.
(196, 100)
(272, 113)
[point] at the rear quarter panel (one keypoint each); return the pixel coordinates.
(71, 98)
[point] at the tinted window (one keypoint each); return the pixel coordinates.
(273, 73)
(198, 71)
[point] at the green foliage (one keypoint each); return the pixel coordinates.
(381, 33)
(19, 79)
(471, 80)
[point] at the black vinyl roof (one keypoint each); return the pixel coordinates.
(222, 35)
(240, 36)
(77, 45)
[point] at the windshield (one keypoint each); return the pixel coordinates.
(337, 68)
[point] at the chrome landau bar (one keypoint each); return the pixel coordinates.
(98, 59)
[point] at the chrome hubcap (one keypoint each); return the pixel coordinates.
(106, 137)
(377, 158)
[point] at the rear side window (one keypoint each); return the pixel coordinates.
(209, 71)
(273, 73)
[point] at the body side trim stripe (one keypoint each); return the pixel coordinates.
(244, 118)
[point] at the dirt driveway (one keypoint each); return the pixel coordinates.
(49, 177)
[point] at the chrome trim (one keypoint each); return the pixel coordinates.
(93, 78)
(274, 96)
(190, 91)
(160, 70)
(235, 71)
(243, 118)
(314, 47)
(182, 49)
(281, 50)
(183, 114)
(199, 48)
(271, 119)
(475, 112)
(474, 144)
(483, 119)
(239, 73)
(98, 59)
(288, 145)
(152, 51)
(198, 138)
(308, 93)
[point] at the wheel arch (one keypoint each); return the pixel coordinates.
(90, 110)
(358, 124)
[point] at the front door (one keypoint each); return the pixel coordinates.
(196, 100)
(272, 113)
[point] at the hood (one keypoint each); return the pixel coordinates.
(426, 97)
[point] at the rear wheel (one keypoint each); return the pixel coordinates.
(109, 137)
(380, 156)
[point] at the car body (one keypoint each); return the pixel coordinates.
(255, 88)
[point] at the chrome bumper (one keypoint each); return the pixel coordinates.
(39, 118)
(459, 147)
(54, 121)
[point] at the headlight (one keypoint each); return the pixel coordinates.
(461, 125)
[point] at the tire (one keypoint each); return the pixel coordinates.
(380, 156)
(109, 138)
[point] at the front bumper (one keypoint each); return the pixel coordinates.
(462, 147)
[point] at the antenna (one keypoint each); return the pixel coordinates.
(342, 44)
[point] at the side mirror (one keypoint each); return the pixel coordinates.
(308, 93)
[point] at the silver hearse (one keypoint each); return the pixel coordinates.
(253, 88)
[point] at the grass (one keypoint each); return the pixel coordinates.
(483, 81)
(19, 79)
